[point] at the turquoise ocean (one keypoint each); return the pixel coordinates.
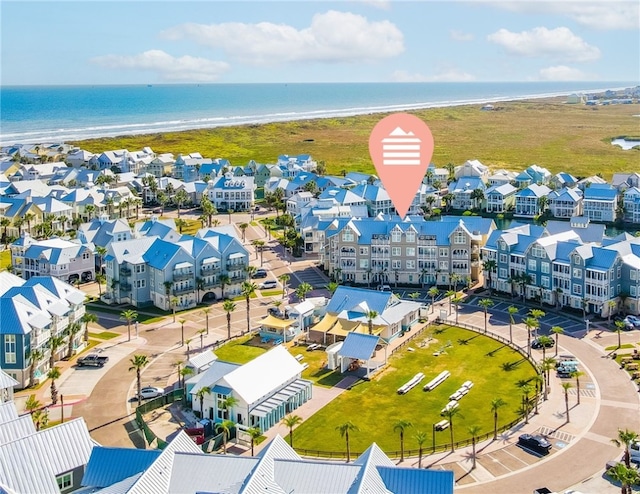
(35, 114)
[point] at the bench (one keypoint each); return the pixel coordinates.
(442, 425)
(299, 357)
(449, 406)
(415, 380)
(439, 379)
(632, 367)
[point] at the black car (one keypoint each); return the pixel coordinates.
(537, 444)
(539, 344)
(274, 311)
(260, 273)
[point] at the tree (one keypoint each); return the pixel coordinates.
(400, 426)
(302, 290)
(55, 342)
(35, 356)
(199, 287)
(344, 430)
(420, 438)
(485, 303)
(433, 293)
(450, 414)
(100, 280)
(53, 374)
(101, 251)
(371, 315)
(72, 330)
(250, 271)
(174, 304)
(182, 321)
(619, 329)
(224, 281)
(129, 315)
(557, 330)
(228, 306)
(201, 394)
(284, 279)
(291, 421)
(138, 362)
(612, 304)
(40, 418)
(530, 323)
(526, 389)
(243, 229)
(188, 342)
(566, 387)
(225, 427)
(254, 433)
(332, 286)
(473, 431)
(496, 404)
(206, 311)
(181, 198)
(456, 302)
(626, 438)
(227, 404)
(577, 375)
(512, 311)
(544, 342)
(248, 289)
(627, 477)
(4, 223)
(32, 404)
(490, 266)
(259, 246)
(450, 294)
(201, 333)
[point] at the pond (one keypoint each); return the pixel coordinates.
(625, 143)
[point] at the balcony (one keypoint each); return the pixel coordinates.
(210, 284)
(235, 279)
(234, 266)
(208, 269)
(182, 275)
(184, 289)
(125, 287)
(125, 271)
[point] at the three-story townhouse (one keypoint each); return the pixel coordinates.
(600, 202)
(528, 200)
(631, 205)
(565, 202)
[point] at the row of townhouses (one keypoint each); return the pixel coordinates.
(565, 268)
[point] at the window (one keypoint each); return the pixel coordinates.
(577, 273)
(65, 481)
(140, 283)
(533, 280)
(632, 274)
(443, 265)
(396, 236)
(140, 268)
(544, 267)
(619, 272)
(410, 236)
(544, 281)
(632, 291)
(364, 263)
(10, 348)
(533, 265)
(577, 289)
(411, 264)
(396, 264)
(411, 251)
(364, 251)
(396, 251)
(444, 252)
(459, 238)
(503, 273)
(503, 258)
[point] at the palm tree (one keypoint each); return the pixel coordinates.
(248, 289)
(53, 374)
(284, 279)
(548, 364)
(174, 304)
(566, 387)
(181, 198)
(420, 438)
(101, 251)
(72, 330)
(199, 287)
(138, 362)
(490, 266)
(225, 427)
(36, 356)
(250, 270)
(200, 394)
(206, 311)
(291, 421)
(55, 342)
(456, 302)
(612, 305)
(243, 229)
(224, 281)
(530, 323)
(449, 414)
(433, 293)
(400, 426)
(182, 321)
(228, 306)
(4, 223)
(188, 342)
(344, 430)
(201, 332)
(32, 404)
(28, 218)
(577, 375)
(557, 330)
(129, 315)
(627, 477)
(40, 418)
(450, 294)
(302, 290)
(332, 286)
(619, 329)
(544, 341)
(496, 404)
(626, 438)
(371, 315)
(485, 303)
(512, 311)
(473, 431)
(88, 318)
(526, 389)
(100, 280)
(254, 433)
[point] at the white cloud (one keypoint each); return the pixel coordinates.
(169, 68)
(449, 75)
(601, 15)
(562, 73)
(460, 36)
(559, 43)
(331, 37)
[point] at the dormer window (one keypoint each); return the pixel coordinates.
(396, 236)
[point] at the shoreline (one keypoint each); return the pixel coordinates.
(208, 123)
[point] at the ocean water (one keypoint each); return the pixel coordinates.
(30, 114)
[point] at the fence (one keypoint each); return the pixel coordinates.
(159, 402)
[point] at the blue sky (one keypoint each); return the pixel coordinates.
(124, 42)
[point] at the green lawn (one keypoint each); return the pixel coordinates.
(5, 259)
(104, 335)
(615, 347)
(271, 293)
(240, 350)
(375, 406)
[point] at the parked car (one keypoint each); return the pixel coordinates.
(150, 392)
(633, 320)
(274, 311)
(260, 273)
(538, 344)
(384, 288)
(268, 284)
(92, 360)
(538, 444)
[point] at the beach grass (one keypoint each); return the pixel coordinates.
(548, 132)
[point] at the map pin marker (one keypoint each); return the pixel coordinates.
(401, 147)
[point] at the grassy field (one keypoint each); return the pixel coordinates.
(560, 137)
(375, 406)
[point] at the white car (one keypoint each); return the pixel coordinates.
(150, 392)
(268, 284)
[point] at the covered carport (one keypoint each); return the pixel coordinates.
(357, 348)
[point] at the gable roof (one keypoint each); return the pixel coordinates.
(107, 466)
(349, 298)
(359, 346)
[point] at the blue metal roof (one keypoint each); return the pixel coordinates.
(160, 253)
(415, 481)
(600, 192)
(602, 258)
(107, 466)
(346, 298)
(223, 390)
(359, 346)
